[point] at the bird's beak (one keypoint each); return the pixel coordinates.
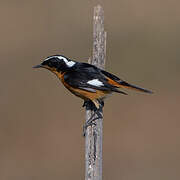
(38, 66)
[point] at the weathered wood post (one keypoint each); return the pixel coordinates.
(93, 139)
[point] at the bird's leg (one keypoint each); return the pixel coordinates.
(84, 104)
(89, 105)
(97, 112)
(101, 105)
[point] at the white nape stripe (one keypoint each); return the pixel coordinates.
(95, 82)
(68, 63)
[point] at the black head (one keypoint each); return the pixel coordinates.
(56, 63)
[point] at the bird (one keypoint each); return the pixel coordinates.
(88, 82)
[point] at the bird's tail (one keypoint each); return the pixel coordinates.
(123, 84)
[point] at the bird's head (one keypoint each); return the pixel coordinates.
(56, 63)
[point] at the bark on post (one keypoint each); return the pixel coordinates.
(93, 139)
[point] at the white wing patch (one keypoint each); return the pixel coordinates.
(95, 82)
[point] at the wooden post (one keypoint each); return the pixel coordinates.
(93, 139)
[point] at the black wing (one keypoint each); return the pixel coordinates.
(80, 76)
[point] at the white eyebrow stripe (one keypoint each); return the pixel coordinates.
(62, 58)
(95, 82)
(48, 58)
(68, 63)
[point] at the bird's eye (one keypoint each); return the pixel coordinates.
(50, 64)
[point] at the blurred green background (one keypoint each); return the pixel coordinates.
(41, 122)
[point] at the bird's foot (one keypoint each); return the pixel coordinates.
(89, 105)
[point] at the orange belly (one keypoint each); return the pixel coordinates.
(86, 94)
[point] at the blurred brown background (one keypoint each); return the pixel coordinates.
(41, 122)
